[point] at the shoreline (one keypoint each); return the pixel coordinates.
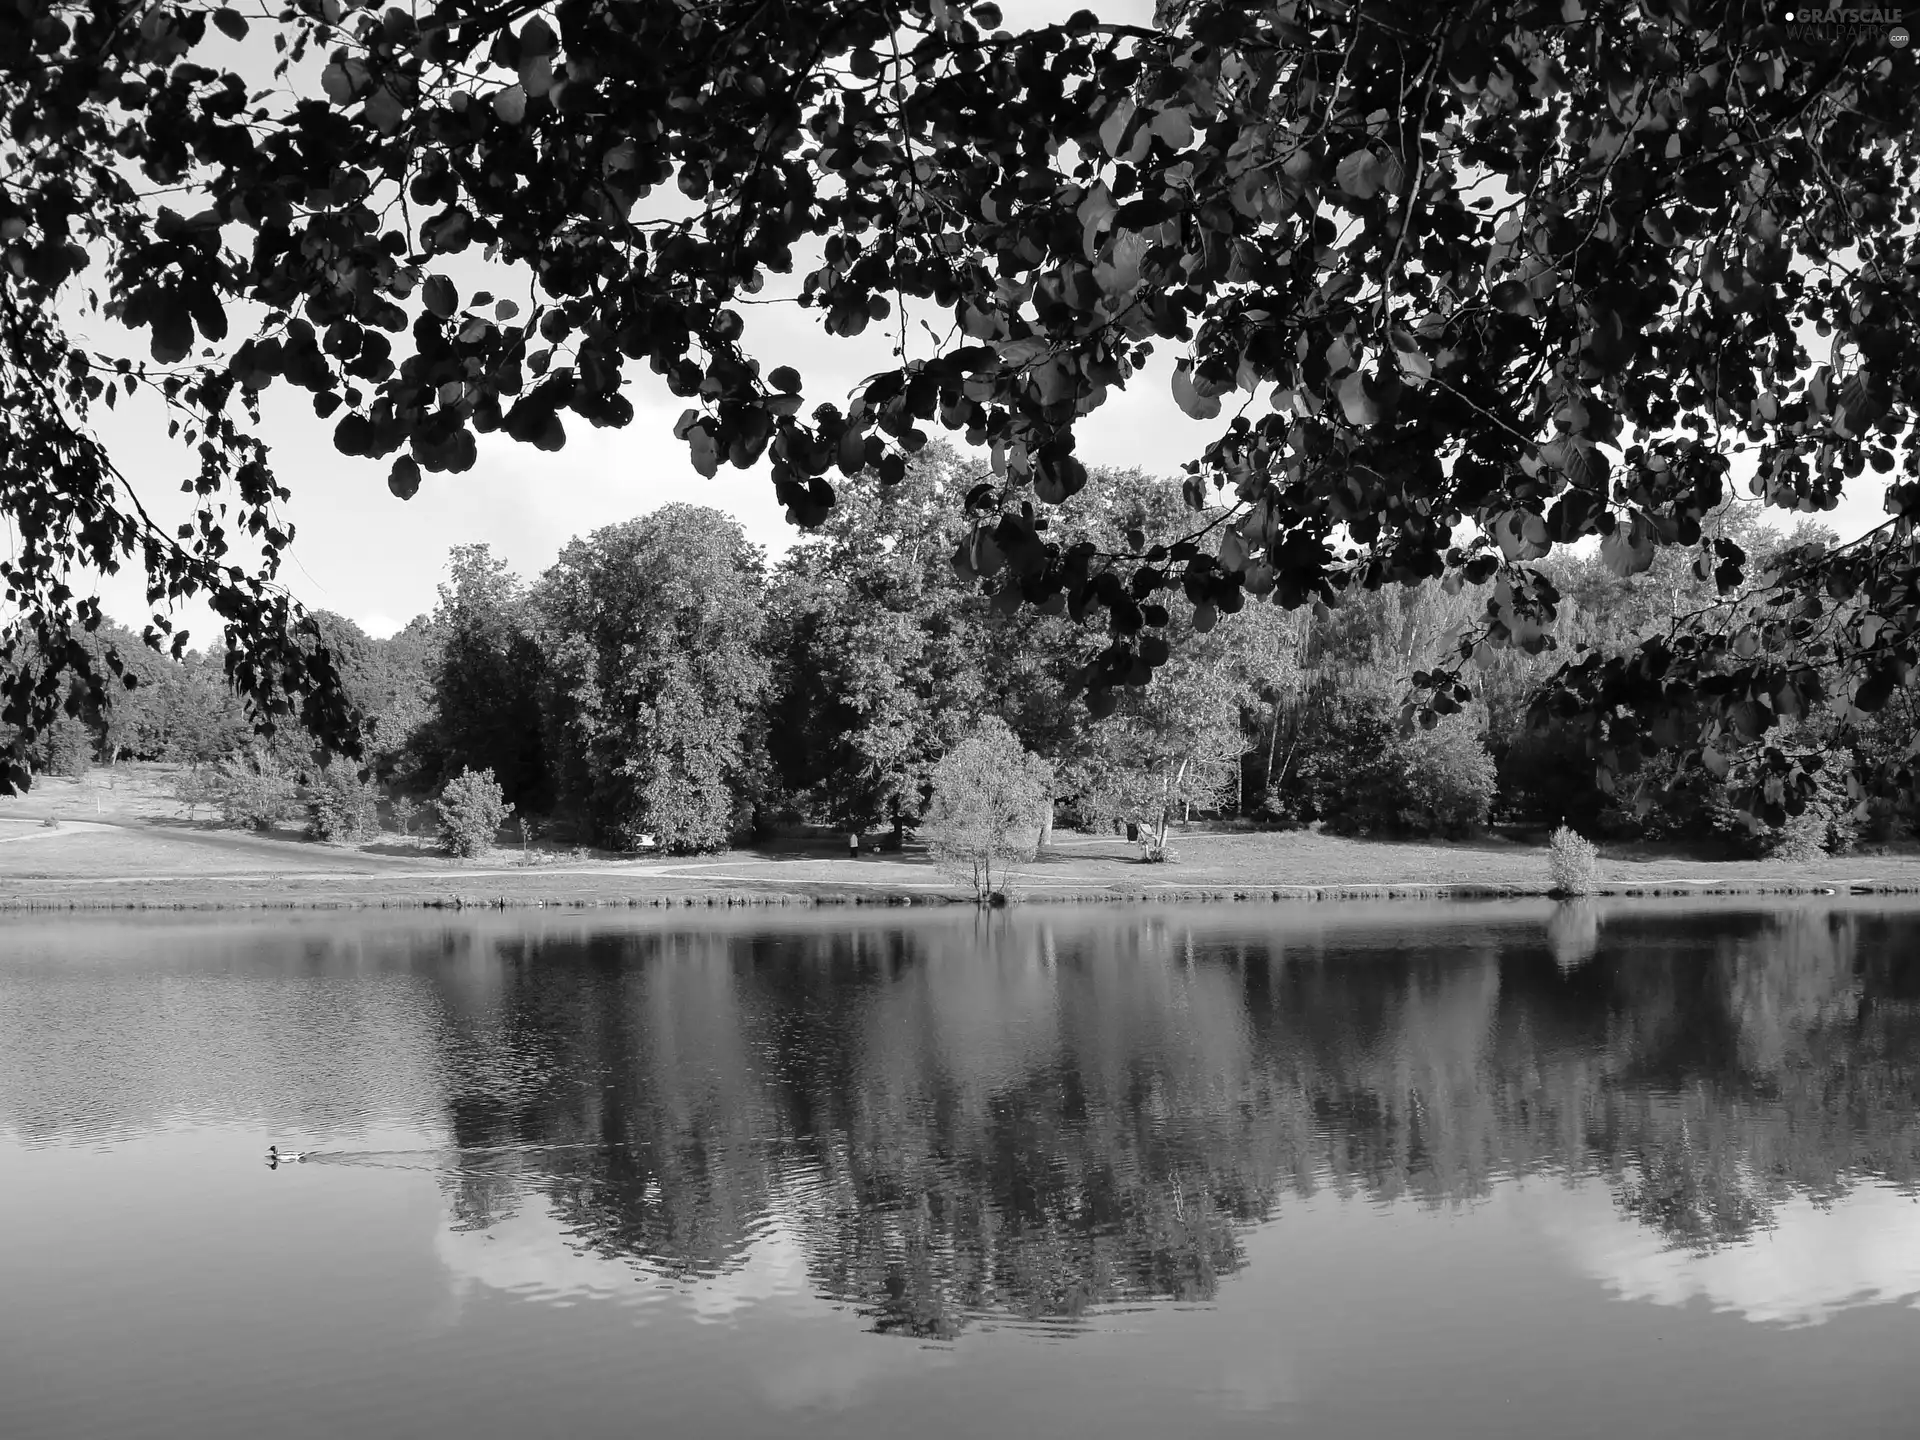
(137, 854)
(82, 895)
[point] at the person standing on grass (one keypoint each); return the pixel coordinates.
(853, 846)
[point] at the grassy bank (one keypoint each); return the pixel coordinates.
(122, 843)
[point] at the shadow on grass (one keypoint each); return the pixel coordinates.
(415, 849)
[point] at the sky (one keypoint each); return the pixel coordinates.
(364, 554)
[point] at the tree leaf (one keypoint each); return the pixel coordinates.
(1114, 128)
(1188, 398)
(1094, 214)
(404, 479)
(1057, 478)
(1513, 297)
(510, 105)
(1233, 551)
(385, 110)
(1522, 535)
(440, 297)
(1412, 360)
(1629, 549)
(1174, 126)
(704, 450)
(338, 85)
(1357, 399)
(1873, 693)
(1359, 174)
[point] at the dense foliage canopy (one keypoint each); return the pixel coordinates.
(1506, 274)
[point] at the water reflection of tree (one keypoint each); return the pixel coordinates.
(1034, 1118)
(1030, 1128)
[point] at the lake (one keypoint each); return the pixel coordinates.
(1507, 1169)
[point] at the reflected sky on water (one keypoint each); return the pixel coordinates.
(1317, 1170)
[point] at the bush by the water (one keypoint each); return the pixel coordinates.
(472, 810)
(1572, 862)
(342, 806)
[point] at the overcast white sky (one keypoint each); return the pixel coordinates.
(376, 559)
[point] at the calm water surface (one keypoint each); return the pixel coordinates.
(1442, 1171)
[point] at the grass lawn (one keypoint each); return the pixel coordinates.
(123, 841)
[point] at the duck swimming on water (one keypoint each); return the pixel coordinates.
(274, 1157)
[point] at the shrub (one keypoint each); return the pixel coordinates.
(254, 790)
(472, 810)
(342, 806)
(1572, 862)
(989, 796)
(1446, 780)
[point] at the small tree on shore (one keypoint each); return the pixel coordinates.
(988, 794)
(472, 810)
(405, 810)
(528, 830)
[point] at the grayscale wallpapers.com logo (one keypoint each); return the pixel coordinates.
(1845, 20)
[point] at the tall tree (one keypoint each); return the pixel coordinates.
(880, 652)
(486, 677)
(1528, 265)
(655, 682)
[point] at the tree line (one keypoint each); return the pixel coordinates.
(663, 684)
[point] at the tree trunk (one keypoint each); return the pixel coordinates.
(1166, 804)
(1273, 744)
